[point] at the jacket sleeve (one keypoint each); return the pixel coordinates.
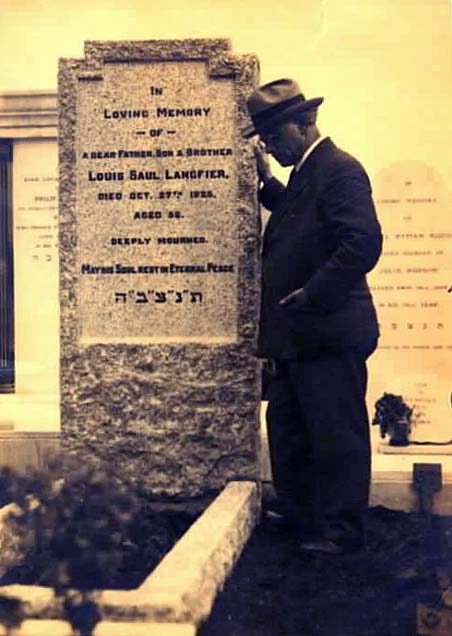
(350, 220)
(270, 194)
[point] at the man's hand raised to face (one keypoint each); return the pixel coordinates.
(264, 170)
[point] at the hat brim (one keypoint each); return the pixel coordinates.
(309, 104)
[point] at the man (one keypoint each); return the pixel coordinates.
(318, 323)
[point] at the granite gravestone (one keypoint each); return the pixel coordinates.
(159, 241)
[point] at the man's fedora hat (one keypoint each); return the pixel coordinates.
(272, 103)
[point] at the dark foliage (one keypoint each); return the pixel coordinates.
(390, 411)
(82, 529)
(75, 520)
(81, 612)
(11, 615)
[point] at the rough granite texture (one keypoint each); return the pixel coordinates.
(179, 419)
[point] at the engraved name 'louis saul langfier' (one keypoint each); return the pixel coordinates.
(152, 175)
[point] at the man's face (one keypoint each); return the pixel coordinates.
(286, 143)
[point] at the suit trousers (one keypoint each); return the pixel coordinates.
(319, 440)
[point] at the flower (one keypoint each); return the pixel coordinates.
(390, 411)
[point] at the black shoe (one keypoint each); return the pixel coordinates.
(277, 521)
(274, 516)
(321, 546)
(277, 518)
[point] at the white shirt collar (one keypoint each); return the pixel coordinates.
(308, 152)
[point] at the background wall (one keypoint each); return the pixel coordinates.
(384, 66)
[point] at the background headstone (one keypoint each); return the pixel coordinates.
(411, 288)
(159, 243)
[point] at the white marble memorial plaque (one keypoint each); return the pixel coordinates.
(411, 286)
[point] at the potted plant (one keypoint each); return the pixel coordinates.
(393, 416)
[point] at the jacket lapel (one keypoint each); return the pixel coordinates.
(296, 186)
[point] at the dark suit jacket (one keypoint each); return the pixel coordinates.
(323, 236)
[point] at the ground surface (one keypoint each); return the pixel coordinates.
(277, 591)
